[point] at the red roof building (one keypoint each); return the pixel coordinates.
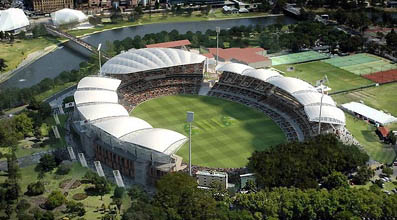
(254, 57)
(179, 44)
(384, 131)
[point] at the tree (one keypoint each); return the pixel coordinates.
(304, 164)
(55, 199)
(335, 180)
(47, 163)
(35, 189)
(3, 64)
(178, 196)
(102, 186)
(363, 175)
(118, 192)
(391, 39)
(24, 124)
(63, 169)
(74, 209)
(388, 171)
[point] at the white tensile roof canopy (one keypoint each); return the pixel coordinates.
(97, 102)
(370, 113)
(302, 91)
(12, 19)
(68, 16)
(146, 59)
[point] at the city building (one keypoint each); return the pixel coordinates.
(48, 6)
(207, 178)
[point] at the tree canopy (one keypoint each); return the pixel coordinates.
(304, 164)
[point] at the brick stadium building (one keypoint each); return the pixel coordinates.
(129, 144)
(47, 6)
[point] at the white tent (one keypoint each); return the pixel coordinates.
(12, 19)
(370, 113)
(68, 16)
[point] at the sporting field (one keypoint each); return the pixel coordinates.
(339, 79)
(361, 64)
(383, 77)
(224, 133)
(298, 58)
(383, 98)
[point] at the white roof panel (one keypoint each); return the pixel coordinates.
(157, 139)
(12, 19)
(148, 59)
(120, 126)
(97, 111)
(98, 82)
(95, 96)
(329, 114)
(68, 16)
(291, 85)
(371, 113)
(314, 98)
(261, 74)
(233, 68)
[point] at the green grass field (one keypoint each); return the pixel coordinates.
(339, 79)
(382, 98)
(298, 58)
(224, 133)
(361, 64)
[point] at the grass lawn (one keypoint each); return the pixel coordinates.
(169, 18)
(14, 53)
(339, 79)
(381, 98)
(365, 134)
(224, 133)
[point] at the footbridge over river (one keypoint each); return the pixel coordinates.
(55, 31)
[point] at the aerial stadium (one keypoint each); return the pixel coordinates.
(143, 152)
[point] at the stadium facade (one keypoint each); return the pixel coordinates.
(144, 153)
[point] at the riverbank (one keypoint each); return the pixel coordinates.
(21, 53)
(170, 18)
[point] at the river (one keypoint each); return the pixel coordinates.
(68, 56)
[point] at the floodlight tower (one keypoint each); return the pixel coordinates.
(189, 119)
(218, 30)
(99, 53)
(321, 83)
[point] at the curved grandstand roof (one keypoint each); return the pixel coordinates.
(113, 118)
(97, 96)
(233, 67)
(101, 110)
(120, 126)
(261, 74)
(314, 98)
(329, 114)
(302, 91)
(158, 139)
(12, 19)
(148, 59)
(97, 82)
(291, 85)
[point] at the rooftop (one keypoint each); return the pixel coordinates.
(246, 55)
(170, 44)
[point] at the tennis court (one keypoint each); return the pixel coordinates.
(361, 64)
(298, 58)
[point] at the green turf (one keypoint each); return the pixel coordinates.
(224, 133)
(298, 58)
(381, 98)
(361, 64)
(339, 79)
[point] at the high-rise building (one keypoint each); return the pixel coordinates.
(47, 6)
